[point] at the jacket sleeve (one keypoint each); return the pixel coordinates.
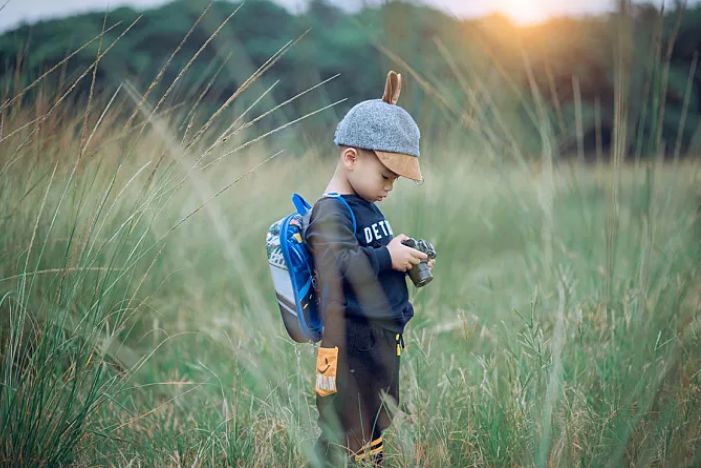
(333, 243)
(338, 256)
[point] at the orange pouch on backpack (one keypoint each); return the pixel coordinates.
(326, 365)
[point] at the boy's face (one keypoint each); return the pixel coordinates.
(370, 179)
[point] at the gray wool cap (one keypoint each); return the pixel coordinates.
(377, 125)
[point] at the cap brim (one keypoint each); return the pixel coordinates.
(402, 164)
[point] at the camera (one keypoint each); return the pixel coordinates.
(421, 274)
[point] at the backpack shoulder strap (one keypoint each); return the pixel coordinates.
(300, 203)
(338, 197)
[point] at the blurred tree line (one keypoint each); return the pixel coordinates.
(469, 81)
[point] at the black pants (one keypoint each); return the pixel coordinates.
(367, 378)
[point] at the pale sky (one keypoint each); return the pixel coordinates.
(520, 11)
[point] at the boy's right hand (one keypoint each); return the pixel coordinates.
(404, 257)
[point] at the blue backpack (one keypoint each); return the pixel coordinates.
(292, 270)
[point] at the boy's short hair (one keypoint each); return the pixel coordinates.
(380, 125)
(369, 153)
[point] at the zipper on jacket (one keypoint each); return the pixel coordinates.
(399, 339)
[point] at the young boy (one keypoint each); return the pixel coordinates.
(360, 278)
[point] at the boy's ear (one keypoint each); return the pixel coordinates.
(349, 156)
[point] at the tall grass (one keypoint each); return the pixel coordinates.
(91, 199)
(139, 325)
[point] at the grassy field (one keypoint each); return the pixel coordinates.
(139, 326)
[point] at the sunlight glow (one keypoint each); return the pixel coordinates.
(524, 11)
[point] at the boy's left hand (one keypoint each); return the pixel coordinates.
(431, 263)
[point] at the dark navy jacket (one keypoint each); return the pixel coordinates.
(354, 275)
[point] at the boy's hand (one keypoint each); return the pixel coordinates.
(403, 257)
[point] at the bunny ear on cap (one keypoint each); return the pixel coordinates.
(393, 86)
(402, 164)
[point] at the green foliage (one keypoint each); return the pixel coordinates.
(354, 45)
(138, 324)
